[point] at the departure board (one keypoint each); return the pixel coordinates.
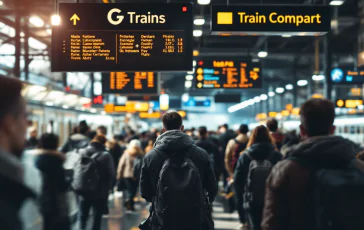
(123, 37)
(227, 74)
(133, 83)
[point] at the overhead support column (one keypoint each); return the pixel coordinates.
(17, 26)
(327, 64)
(26, 47)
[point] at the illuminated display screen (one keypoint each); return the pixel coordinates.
(350, 103)
(123, 37)
(341, 76)
(125, 83)
(227, 74)
(268, 19)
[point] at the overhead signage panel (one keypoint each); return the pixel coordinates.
(342, 76)
(123, 37)
(126, 83)
(301, 20)
(227, 74)
(350, 103)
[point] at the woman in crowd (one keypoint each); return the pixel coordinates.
(129, 171)
(252, 169)
(53, 202)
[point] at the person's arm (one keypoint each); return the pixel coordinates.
(121, 166)
(146, 188)
(209, 183)
(228, 157)
(241, 172)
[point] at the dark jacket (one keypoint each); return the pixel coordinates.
(259, 151)
(53, 197)
(225, 138)
(209, 146)
(285, 200)
(13, 192)
(76, 141)
(106, 164)
(175, 142)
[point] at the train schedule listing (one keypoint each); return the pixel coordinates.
(123, 37)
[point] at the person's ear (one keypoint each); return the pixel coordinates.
(332, 131)
(182, 128)
(163, 130)
(303, 131)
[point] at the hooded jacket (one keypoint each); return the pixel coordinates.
(76, 141)
(126, 163)
(175, 142)
(13, 191)
(286, 192)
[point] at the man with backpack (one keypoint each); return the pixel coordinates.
(178, 178)
(320, 186)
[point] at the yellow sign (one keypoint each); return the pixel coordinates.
(196, 53)
(272, 114)
(355, 92)
(340, 103)
(285, 113)
(353, 103)
(295, 111)
(154, 115)
(289, 107)
(182, 113)
(261, 116)
(109, 108)
(225, 18)
(317, 95)
(74, 18)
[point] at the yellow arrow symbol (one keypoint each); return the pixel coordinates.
(74, 18)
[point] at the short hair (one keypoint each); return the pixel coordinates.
(272, 125)
(226, 126)
(83, 127)
(48, 141)
(243, 129)
(202, 131)
(119, 137)
(10, 94)
(317, 116)
(101, 139)
(102, 129)
(172, 121)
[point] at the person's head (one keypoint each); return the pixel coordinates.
(135, 146)
(101, 139)
(83, 127)
(272, 125)
(260, 135)
(119, 138)
(243, 129)
(33, 132)
(317, 118)
(48, 141)
(202, 131)
(172, 121)
(101, 130)
(13, 116)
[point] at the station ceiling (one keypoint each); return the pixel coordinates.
(278, 66)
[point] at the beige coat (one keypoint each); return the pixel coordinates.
(126, 163)
(230, 150)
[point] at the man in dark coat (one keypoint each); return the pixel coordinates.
(173, 140)
(13, 126)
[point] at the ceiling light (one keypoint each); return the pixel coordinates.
(203, 2)
(251, 102)
(1, 3)
(257, 99)
(262, 54)
(36, 21)
(194, 63)
(286, 35)
(49, 31)
(49, 103)
(263, 97)
(195, 53)
(191, 72)
(65, 106)
(280, 90)
(337, 2)
(289, 87)
(318, 77)
(302, 82)
(197, 33)
(271, 94)
(185, 97)
(188, 84)
(55, 20)
(199, 21)
(189, 77)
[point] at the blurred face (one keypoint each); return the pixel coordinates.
(34, 134)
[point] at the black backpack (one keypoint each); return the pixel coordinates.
(179, 200)
(337, 194)
(255, 185)
(87, 175)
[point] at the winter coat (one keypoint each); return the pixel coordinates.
(209, 146)
(76, 141)
(258, 151)
(286, 206)
(13, 192)
(175, 142)
(126, 163)
(106, 166)
(230, 151)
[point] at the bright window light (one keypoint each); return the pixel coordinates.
(337, 2)
(55, 20)
(93, 110)
(36, 44)
(197, 33)
(199, 21)
(188, 84)
(263, 54)
(36, 21)
(49, 103)
(251, 102)
(263, 97)
(271, 94)
(280, 90)
(289, 87)
(302, 82)
(286, 35)
(203, 2)
(257, 99)
(189, 77)
(1, 3)
(65, 107)
(319, 77)
(49, 31)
